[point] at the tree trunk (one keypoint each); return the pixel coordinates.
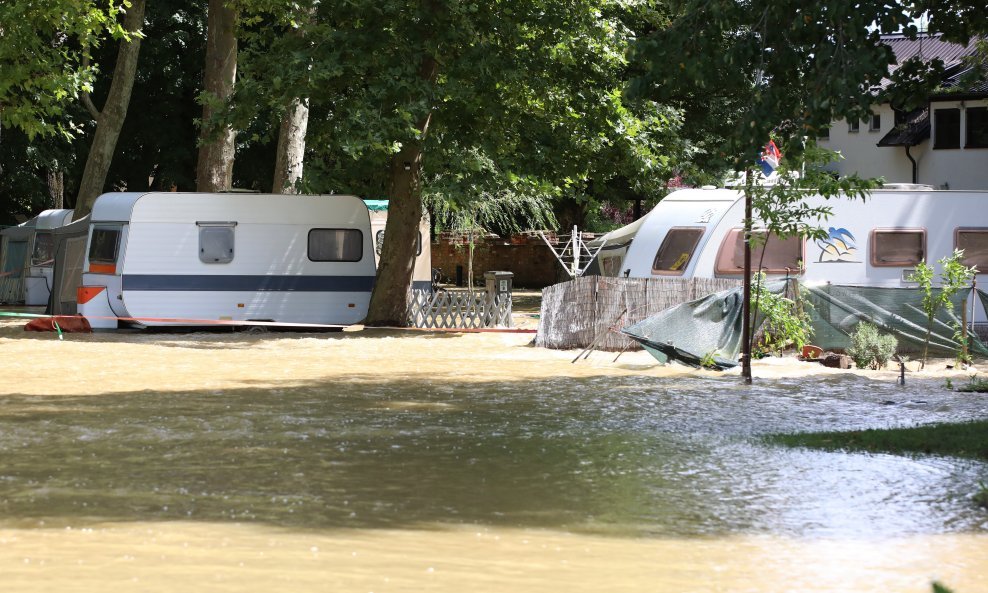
(111, 118)
(291, 148)
(56, 187)
(389, 301)
(214, 170)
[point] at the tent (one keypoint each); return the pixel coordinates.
(69, 249)
(15, 261)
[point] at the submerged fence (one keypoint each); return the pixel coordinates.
(583, 311)
(459, 309)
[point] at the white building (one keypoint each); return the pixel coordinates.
(943, 144)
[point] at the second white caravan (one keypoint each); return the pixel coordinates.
(165, 259)
(873, 242)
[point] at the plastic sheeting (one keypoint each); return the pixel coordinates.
(837, 310)
(708, 328)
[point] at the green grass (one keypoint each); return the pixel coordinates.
(967, 439)
(976, 385)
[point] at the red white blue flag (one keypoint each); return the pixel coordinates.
(769, 160)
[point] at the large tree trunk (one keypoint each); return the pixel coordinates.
(291, 148)
(56, 187)
(389, 301)
(214, 171)
(110, 120)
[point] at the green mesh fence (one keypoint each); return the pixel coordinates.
(710, 327)
(837, 310)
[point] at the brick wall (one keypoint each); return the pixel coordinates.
(528, 258)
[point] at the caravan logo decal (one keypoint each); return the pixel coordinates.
(839, 246)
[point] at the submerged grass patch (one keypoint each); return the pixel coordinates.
(965, 439)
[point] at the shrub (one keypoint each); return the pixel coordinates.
(870, 349)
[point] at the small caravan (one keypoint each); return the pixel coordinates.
(167, 259)
(26, 267)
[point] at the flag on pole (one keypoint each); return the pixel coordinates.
(769, 160)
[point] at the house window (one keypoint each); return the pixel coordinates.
(216, 242)
(976, 131)
(338, 245)
(974, 243)
(875, 123)
(898, 247)
(853, 126)
(781, 256)
(947, 128)
(676, 251)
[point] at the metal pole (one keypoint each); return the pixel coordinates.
(746, 289)
(576, 252)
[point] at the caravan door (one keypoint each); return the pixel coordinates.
(100, 298)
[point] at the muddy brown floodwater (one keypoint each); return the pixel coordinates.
(387, 461)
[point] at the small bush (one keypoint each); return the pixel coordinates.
(870, 349)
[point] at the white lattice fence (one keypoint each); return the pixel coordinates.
(459, 309)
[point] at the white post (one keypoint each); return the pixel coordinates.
(576, 252)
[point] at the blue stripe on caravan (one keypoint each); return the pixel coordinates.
(247, 283)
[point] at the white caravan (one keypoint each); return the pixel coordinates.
(875, 242)
(167, 259)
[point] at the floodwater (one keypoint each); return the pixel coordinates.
(386, 461)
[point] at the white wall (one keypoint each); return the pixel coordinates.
(864, 157)
(956, 168)
(962, 168)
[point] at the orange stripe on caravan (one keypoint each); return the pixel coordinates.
(84, 294)
(102, 268)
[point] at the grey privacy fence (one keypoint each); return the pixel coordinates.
(583, 311)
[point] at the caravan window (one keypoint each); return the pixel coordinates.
(781, 256)
(898, 247)
(216, 242)
(336, 245)
(974, 242)
(379, 243)
(676, 251)
(104, 245)
(43, 254)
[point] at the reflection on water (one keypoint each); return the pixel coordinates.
(443, 449)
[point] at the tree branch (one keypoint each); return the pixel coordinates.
(84, 96)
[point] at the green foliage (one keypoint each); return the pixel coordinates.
(528, 95)
(981, 496)
(976, 384)
(954, 277)
(792, 67)
(870, 349)
(786, 322)
(938, 588)
(783, 208)
(709, 361)
(44, 59)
